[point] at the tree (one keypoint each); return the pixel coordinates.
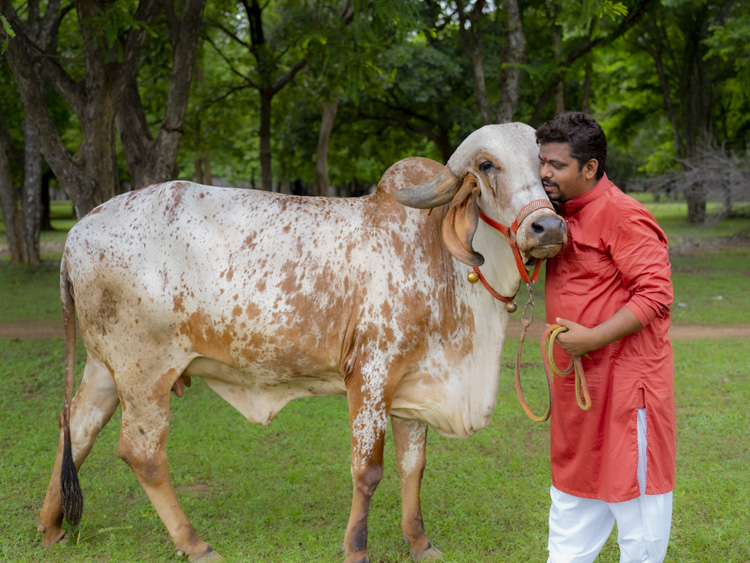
(675, 36)
(110, 43)
(24, 217)
(9, 205)
(277, 60)
(513, 57)
(154, 159)
(574, 34)
(470, 27)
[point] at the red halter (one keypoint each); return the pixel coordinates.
(510, 234)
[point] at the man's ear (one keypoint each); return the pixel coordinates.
(590, 169)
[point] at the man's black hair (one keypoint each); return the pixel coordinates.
(584, 135)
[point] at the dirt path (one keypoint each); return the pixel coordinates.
(34, 331)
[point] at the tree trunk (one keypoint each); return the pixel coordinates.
(696, 204)
(687, 86)
(511, 76)
(91, 176)
(46, 223)
(321, 186)
(9, 206)
(32, 193)
(155, 160)
(471, 38)
(266, 174)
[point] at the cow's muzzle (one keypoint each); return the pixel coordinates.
(545, 236)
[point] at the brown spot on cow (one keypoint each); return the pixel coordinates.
(252, 311)
(179, 303)
(250, 242)
(172, 208)
(207, 341)
(164, 384)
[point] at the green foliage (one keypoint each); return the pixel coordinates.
(9, 33)
(403, 81)
(107, 28)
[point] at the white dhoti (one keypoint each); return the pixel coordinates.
(579, 527)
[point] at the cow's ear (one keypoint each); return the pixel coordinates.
(460, 223)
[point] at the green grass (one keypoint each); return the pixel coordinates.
(711, 287)
(281, 493)
(671, 216)
(30, 293)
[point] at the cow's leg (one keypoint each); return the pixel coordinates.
(143, 438)
(368, 418)
(91, 409)
(410, 439)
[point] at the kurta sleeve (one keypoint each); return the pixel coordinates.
(639, 250)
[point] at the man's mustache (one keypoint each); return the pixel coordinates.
(550, 183)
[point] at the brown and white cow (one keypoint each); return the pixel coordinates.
(270, 297)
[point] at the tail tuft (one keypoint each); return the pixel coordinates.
(72, 498)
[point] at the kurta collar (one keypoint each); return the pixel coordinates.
(576, 204)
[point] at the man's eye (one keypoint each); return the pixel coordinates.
(485, 166)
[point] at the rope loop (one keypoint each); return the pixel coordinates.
(551, 369)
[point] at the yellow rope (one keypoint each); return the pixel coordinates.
(550, 367)
(548, 341)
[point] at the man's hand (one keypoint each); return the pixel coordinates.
(578, 339)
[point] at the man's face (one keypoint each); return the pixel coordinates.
(562, 177)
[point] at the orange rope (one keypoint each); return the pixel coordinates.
(548, 339)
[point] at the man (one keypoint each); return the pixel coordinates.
(611, 288)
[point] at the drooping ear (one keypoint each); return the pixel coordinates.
(460, 223)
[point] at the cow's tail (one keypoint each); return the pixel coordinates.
(70, 488)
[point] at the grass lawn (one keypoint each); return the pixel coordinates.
(282, 493)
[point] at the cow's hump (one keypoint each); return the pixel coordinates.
(407, 173)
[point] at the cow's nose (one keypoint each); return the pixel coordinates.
(549, 229)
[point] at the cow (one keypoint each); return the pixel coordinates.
(270, 297)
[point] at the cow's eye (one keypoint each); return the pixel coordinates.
(485, 166)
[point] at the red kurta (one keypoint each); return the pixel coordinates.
(616, 255)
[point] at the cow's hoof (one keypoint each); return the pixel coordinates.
(208, 556)
(429, 553)
(357, 558)
(51, 536)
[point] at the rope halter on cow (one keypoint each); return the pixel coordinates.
(510, 234)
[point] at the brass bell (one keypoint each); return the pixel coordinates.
(511, 306)
(473, 277)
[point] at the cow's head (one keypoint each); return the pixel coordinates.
(495, 169)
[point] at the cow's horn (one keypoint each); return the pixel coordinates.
(433, 193)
